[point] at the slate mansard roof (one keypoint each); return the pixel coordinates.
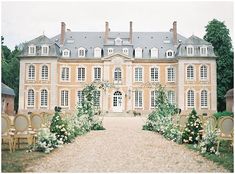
(163, 41)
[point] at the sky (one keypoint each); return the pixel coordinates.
(26, 20)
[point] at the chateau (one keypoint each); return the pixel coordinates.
(53, 71)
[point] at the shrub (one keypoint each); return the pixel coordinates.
(209, 143)
(191, 133)
(221, 114)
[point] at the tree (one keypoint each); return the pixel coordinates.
(218, 35)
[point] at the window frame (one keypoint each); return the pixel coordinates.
(110, 51)
(190, 47)
(47, 94)
(83, 73)
(139, 104)
(64, 100)
(202, 52)
(140, 51)
(119, 75)
(204, 97)
(29, 49)
(192, 72)
(174, 74)
(97, 52)
(207, 72)
(42, 51)
(41, 72)
(63, 53)
(33, 98)
(158, 74)
(125, 51)
(170, 51)
(80, 50)
(80, 97)
(153, 96)
(152, 51)
(138, 77)
(33, 72)
(191, 100)
(172, 99)
(61, 72)
(94, 73)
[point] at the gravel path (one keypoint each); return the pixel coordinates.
(123, 147)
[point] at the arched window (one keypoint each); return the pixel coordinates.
(190, 72)
(31, 72)
(125, 51)
(154, 52)
(110, 51)
(118, 75)
(169, 54)
(171, 97)
(44, 97)
(190, 101)
(44, 72)
(30, 97)
(204, 98)
(97, 52)
(138, 52)
(203, 72)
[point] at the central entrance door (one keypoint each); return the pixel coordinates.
(117, 101)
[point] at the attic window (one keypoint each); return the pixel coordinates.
(190, 50)
(81, 52)
(32, 50)
(203, 51)
(65, 53)
(118, 41)
(125, 51)
(169, 54)
(45, 50)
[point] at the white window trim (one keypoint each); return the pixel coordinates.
(151, 107)
(65, 89)
(174, 98)
(201, 48)
(166, 75)
(101, 104)
(142, 74)
(153, 49)
(109, 49)
(66, 50)
(207, 78)
(77, 96)
(159, 76)
(96, 49)
(138, 49)
(135, 107)
(35, 74)
(125, 51)
(118, 39)
(32, 46)
(40, 73)
(81, 48)
(34, 101)
(170, 56)
(41, 96)
(81, 66)
(194, 73)
(195, 95)
(208, 99)
(45, 46)
(93, 72)
(122, 75)
(65, 66)
(190, 46)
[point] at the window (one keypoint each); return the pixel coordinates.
(138, 99)
(118, 41)
(154, 53)
(32, 50)
(31, 72)
(203, 51)
(170, 74)
(64, 98)
(30, 97)
(190, 72)
(66, 53)
(171, 97)
(190, 51)
(44, 97)
(97, 52)
(138, 74)
(44, 74)
(203, 98)
(65, 74)
(96, 98)
(190, 101)
(125, 51)
(153, 99)
(80, 98)
(154, 74)
(81, 52)
(118, 74)
(169, 54)
(81, 74)
(138, 52)
(45, 50)
(110, 51)
(97, 73)
(203, 72)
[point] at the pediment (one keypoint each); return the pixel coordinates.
(117, 58)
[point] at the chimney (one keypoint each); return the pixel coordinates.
(62, 33)
(131, 33)
(175, 41)
(106, 33)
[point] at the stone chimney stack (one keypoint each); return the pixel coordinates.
(62, 33)
(175, 41)
(106, 33)
(131, 33)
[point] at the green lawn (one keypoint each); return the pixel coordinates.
(225, 158)
(18, 160)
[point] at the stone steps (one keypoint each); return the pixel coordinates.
(118, 114)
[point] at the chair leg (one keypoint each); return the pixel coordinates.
(14, 144)
(10, 147)
(18, 143)
(218, 146)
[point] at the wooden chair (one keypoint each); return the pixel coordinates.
(209, 124)
(6, 133)
(225, 126)
(47, 117)
(183, 119)
(21, 124)
(36, 121)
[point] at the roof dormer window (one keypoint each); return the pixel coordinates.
(169, 54)
(66, 53)
(81, 52)
(32, 50)
(190, 50)
(118, 41)
(203, 51)
(138, 52)
(45, 50)
(154, 52)
(125, 51)
(97, 52)
(110, 51)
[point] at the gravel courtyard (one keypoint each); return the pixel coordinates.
(123, 147)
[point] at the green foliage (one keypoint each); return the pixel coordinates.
(221, 114)
(191, 133)
(209, 143)
(218, 34)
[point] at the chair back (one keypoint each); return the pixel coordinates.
(226, 125)
(209, 124)
(5, 124)
(183, 121)
(36, 121)
(21, 123)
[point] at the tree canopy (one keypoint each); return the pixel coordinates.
(218, 35)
